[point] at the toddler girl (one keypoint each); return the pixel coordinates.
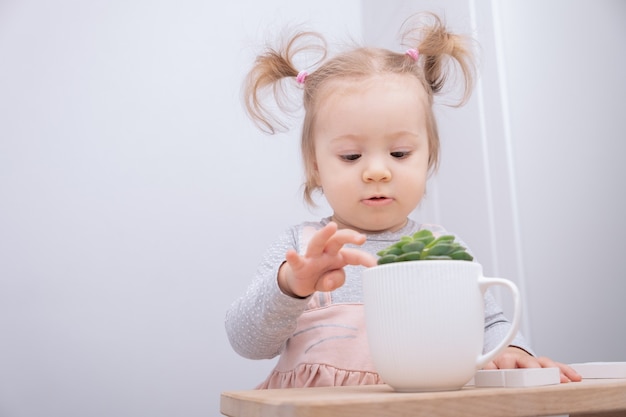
(369, 142)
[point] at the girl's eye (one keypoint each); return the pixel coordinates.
(351, 157)
(400, 154)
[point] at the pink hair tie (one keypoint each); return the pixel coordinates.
(302, 77)
(413, 53)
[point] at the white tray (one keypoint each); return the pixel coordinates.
(595, 370)
(520, 377)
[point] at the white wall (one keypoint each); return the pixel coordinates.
(566, 88)
(135, 199)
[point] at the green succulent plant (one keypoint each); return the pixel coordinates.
(424, 246)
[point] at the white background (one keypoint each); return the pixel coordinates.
(136, 198)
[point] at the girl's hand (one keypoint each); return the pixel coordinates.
(321, 267)
(514, 357)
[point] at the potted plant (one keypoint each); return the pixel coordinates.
(424, 246)
(425, 320)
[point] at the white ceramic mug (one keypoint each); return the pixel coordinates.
(425, 322)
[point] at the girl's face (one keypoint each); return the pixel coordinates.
(371, 150)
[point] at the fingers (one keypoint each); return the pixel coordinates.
(513, 359)
(329, 240)
(547, 362)
(358, 257)
(527, 362)
(341, 238)
(317, 244)
(567, 373)
(293, 259)
(331, 280)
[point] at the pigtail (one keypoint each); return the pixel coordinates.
(268, 77)
(437, 47)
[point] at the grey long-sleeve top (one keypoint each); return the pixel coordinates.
(259, 323)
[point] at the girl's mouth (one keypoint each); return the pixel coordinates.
(377, 201)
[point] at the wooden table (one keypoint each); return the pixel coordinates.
(590, 397)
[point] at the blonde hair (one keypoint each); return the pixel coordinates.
(439, 51)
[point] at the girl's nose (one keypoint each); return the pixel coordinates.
(376, 171)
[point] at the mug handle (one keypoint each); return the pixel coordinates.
(483, 284)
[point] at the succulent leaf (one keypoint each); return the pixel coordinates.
(423, 245)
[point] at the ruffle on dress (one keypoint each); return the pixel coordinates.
(318, 375)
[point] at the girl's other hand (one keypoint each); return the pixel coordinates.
(321, 267)
(514, 357)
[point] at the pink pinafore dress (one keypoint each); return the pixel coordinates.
(328, 348)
